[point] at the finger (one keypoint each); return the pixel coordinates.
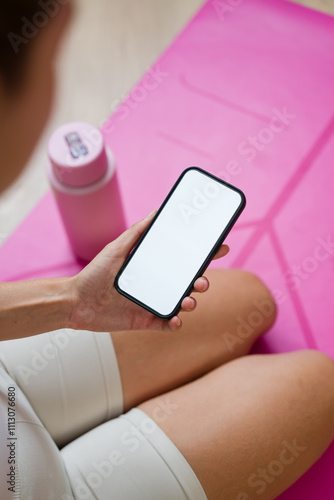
(174, 324)
(201, 284)
(188, 304)
(127, 240)
(222, 251)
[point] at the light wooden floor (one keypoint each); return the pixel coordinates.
(111, 44)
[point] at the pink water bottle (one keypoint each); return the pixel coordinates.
(81, 170)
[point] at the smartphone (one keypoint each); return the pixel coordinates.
(181, 240)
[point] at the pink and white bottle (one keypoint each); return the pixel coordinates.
(81, 170)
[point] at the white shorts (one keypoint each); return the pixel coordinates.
(71, 439)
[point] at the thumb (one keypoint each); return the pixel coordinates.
(127, 240)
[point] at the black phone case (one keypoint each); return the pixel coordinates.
(208, 258)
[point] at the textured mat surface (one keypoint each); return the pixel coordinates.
(245, 92)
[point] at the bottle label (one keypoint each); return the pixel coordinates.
(76, 145)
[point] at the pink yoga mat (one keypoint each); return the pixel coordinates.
(246, 92)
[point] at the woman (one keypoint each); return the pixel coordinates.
(151, 410)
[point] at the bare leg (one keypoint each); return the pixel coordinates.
(252, 427)
(228, 319)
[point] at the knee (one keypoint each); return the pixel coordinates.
(316, 376)
(260, 300)
(317, 361)
(319, 369)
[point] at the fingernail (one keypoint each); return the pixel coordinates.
(151, 214)
(178, 323)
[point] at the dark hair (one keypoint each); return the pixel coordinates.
(14, 48)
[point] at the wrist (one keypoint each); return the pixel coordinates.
(35, 306)
(82, 308)
(72, 301)
(59, 301)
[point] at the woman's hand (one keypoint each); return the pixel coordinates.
(97, 305)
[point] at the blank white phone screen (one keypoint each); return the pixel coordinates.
(179, 241)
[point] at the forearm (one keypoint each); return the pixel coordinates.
(32, 307)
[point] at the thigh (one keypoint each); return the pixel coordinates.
(129, 458)
(228, 319)
(30, 463)
(254, 425)
(70, 378)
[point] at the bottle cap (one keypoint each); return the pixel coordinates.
(77, 154)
